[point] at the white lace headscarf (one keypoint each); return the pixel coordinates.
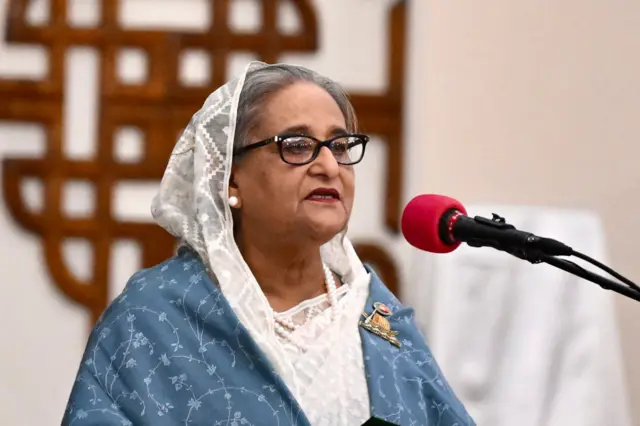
(192, 205)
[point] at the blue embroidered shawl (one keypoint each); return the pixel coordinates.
(170, 351)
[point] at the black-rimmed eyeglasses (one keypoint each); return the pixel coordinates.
(299, 150)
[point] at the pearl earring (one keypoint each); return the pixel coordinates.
(233, 201)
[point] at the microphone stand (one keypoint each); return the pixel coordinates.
(603, 282)
(535, 256)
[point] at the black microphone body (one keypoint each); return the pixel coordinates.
(456, 227)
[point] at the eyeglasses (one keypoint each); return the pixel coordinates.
(299, 150)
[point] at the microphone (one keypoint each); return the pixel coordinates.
(439, 224)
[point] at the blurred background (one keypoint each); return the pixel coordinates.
(528, 107)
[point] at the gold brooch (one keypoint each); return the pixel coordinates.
(376, 323)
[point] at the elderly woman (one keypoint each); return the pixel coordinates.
(266, 316)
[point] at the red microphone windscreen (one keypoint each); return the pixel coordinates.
(421, 222)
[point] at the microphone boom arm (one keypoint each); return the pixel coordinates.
(603, 282)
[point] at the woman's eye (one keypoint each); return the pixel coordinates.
(298, 146)
(340, 147)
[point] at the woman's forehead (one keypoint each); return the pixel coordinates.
(303, 106)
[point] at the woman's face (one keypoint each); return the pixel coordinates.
(276, 197)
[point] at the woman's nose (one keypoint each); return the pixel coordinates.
(325, 163)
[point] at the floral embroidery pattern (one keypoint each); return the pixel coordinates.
(167, 353)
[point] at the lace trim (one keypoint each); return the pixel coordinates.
(310, 308)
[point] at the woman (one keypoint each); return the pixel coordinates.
(266, 315)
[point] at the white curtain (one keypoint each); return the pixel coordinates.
(523, 344)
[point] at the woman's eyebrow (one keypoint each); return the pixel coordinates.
(305, 130)
(301, 129)
(338, 130)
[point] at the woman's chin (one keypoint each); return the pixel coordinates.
(326, 226)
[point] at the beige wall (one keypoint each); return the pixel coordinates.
(538, 102)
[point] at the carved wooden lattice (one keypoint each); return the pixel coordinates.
(159, 107)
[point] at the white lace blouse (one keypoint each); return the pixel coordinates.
(331, 384)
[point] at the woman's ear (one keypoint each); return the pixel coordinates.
(234, 192)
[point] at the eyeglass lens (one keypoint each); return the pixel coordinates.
(300, 149)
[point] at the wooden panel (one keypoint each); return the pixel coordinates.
(158, 107)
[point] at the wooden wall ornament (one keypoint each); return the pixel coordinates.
(159, 107)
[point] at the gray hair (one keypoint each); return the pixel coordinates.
(260, 84)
